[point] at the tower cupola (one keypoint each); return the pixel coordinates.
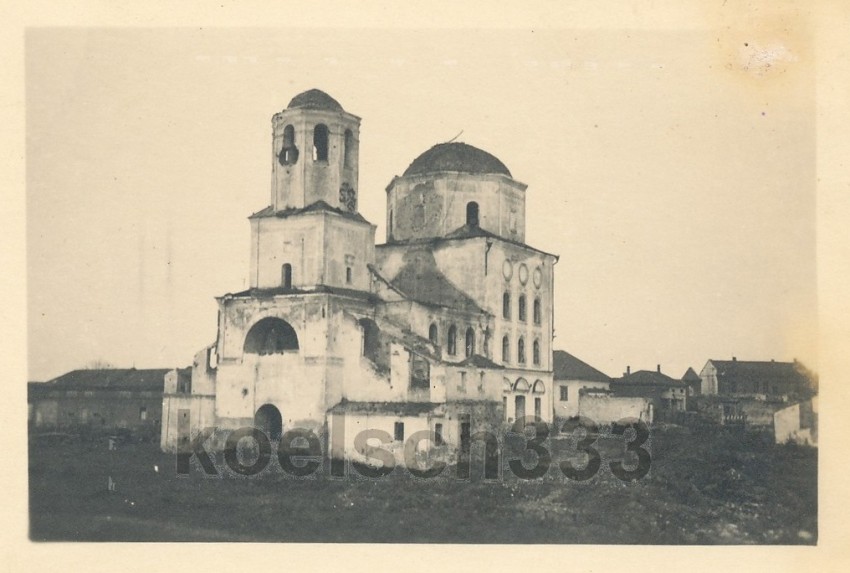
(315, 154)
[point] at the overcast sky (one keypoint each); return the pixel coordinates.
(673, 172)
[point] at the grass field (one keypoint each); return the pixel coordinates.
(702, 489)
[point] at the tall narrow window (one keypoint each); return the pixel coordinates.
(472, 214)
(506, 305)
(506, 349)
(470, 342)
(399, 431)
(143, 413)
(452, 342)
(348, 154)
(522, 307)
(535, 353)
(320, 143)
(371, 338)
(348, 275)
(286, 276)
(433, 333)
(538, 407)
(520, 350)
(288, 153)
(536, 311)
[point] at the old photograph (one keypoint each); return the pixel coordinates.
(444, 286)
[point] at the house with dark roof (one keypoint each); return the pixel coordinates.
(572, 379)
(98, 400)
(763, 379)
(666, 393)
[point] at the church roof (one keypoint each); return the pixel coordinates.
(478, 361)
(568, 367)
(390, 408)
(464, 232)
(456, 157)
(311, 208)
(420, 280)
(314, 99)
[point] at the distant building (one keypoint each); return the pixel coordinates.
(666, 394)
(693, 382)
(583, 391)
(572, 377)
(98, 399)
(766, 380)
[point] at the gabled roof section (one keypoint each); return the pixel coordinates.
(461, 233)
(752, 371)
(420, 280)
(568, 367)
(316, 207)
(110, 379)
(320, 289)
(478, 361)
(691, 376)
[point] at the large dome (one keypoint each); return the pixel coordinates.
(314, 99)
(458, 157)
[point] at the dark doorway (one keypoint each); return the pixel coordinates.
(269, 421)
(520, 407)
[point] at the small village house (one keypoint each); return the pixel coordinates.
(98, 400)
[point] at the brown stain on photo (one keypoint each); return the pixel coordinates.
(765, 50)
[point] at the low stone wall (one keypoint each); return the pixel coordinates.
(606, 409)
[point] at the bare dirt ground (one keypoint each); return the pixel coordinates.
(701, 489)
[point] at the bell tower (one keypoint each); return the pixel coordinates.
(312, 235)
(315, 149)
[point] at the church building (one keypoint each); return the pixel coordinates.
(447, 327)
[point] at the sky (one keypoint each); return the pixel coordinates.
(672, 171)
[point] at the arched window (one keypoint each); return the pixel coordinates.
(288, 153)
(535, 353)
(536, 311)
(270, 336)
(470, 342)
(522, 385)
(320, 143)
(452, 342)
(506, 305)
(506, 349)
(432, 333)
(348, 153)
(522, 307)
(520, 350)
(472, 214)
(286, 275)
